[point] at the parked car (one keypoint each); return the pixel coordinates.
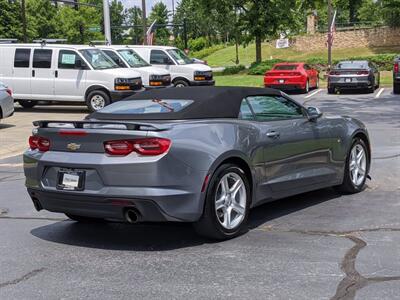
(200, 154)
(183, 70)
(6, 102)
(41, 72)
(292, 76)
(126, 57)
(357, 74)
(396, 76)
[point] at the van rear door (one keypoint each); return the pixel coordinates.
(42, 74)
(70, 79)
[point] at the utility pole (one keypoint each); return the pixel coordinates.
(329, 34)
(23, 15)
(107, 26)
(144, 22)
(173, 9)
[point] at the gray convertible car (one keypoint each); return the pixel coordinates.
(204, 155)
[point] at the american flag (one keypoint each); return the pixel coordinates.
(332, 30)
(150, 33)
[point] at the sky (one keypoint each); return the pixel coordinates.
(149, 4)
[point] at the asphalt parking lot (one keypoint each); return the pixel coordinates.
(319, 245)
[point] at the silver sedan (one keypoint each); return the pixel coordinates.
(6, 102)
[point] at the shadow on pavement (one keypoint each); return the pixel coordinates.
(164, 236)
(5, 125)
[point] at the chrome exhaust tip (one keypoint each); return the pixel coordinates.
(131, 215)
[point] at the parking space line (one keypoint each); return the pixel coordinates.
(313, 93)
(379, 93)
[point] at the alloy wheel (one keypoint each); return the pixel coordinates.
(358, 164)
(230, 201)
(97, 102)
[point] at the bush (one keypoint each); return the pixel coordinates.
(383, 61)
(233, 70)
(206, 51)
(197, 44)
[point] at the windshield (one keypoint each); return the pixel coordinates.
(139, 107)
(286, 67)
(179, 56)
(132, 58)
(352, 65)
(98, 59)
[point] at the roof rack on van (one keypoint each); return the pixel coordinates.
(99, 42)
(49, 41)
(7, 41)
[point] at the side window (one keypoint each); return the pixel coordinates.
(245, 111)
(67, 59)
(42, 58)
(269, 108)
(307, 67)
(114, 56)
(158, 57)
(21, 58)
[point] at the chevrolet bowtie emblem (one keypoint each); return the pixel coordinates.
(73, 146)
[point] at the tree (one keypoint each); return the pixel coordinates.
(41, 19)
(134, 17)
(10, 20)
(370, 12)
(391, 12)
(159, 14)
(118, 18)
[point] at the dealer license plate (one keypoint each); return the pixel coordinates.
(71, 180)
(347, 80)
(281, 81)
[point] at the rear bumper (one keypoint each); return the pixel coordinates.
(361, 82)
(98, 206)
(161, 190)
(285, 87)
(358, 85)
(202, 83)
(119, 95)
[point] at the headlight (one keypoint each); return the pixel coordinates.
(156, 77)
(202, 75)
(122, 84)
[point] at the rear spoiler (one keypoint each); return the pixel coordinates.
(115, 125)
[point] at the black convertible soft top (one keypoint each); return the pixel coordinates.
(208, 102)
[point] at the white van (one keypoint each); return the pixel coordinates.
(183, 70)
(37, 72)
(126, 57)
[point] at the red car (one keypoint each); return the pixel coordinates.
(292, 76)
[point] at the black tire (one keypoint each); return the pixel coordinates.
(209, 226)
(103, 99)
(181, 83)
(331, 90)
(307, 88)
(317, 84)
(396, 88)
(27, 103)
(83, 219)
(348, 187)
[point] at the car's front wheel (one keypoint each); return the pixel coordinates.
(396, 88)
(97, 100)
(227, 204)
(356, 169)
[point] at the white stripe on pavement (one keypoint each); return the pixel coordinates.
(379, 93)
(313, 93)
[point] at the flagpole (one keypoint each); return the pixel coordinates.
(329, 34)
(144, 22)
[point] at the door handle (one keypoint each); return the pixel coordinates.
(56, 73)
(33, 73)
(273, 134)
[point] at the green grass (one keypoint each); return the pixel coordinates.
(257, 80)
(226, 57)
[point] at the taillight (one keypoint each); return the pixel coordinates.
(147, 146)
(9, 91)
(334, 73)
(40, 143)
(396, 68)
(294, 74)
(362, 73)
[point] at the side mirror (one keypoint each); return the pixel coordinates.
(313, 113)
(80, 65)
(167, 61)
